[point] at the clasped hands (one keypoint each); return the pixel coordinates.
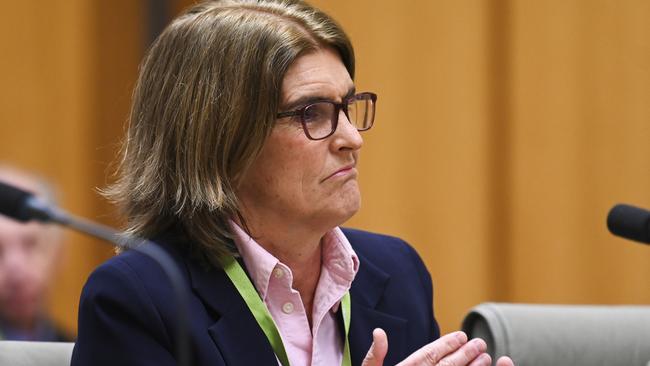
(452, 349)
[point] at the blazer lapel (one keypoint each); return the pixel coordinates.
(235, 333)
(366, 292)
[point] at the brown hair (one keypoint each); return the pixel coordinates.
(204, 103)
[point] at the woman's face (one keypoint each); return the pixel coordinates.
(297, 181)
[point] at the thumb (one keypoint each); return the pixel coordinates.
(378, 349)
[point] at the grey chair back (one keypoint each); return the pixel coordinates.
(557, 335)
(15, 353)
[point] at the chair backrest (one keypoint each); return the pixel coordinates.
(16, 353)
(544, 335)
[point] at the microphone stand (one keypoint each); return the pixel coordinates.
(146, 247)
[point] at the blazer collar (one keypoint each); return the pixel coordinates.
(366, 293)
(235, 331)
(369, 284)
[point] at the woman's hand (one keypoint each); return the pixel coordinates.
(450, 350)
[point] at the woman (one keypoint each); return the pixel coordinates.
(240, 156)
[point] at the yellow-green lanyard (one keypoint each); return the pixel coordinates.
(247, 291)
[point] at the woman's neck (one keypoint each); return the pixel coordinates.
(300, 251)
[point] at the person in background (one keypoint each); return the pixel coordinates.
(29, 255)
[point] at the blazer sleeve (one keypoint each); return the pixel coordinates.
(119, 323)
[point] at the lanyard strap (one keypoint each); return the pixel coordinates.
(347, 315)
(247, 291)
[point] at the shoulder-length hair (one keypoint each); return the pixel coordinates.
(205, 101)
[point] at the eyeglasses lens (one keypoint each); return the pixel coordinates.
(319, 117)
(361, 113)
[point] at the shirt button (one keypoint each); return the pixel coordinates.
(278, 273)
(287, 308)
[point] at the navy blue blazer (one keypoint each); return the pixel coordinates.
(127, 312)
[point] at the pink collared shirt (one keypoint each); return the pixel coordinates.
(322, 344)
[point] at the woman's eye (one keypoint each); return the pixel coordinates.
(315, 113)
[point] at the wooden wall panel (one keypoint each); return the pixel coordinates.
(580, 132)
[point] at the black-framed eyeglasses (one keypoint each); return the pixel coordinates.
(320, 119)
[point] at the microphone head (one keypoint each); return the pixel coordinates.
(629, 222)
(13, 202)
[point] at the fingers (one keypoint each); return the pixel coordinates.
(450, 350)
(483, 359)
(471, 353)
(378, 349)
(435, 351)
(505, 361)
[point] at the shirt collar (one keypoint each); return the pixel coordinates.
(338, 257)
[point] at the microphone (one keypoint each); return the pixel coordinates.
(24, 206)
(629, 222)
